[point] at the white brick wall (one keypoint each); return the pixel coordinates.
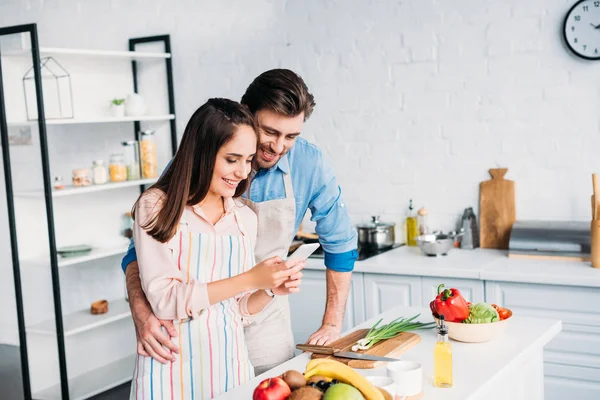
(415, 99)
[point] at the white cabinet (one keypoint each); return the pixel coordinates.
(383, 292)
(572, 359)
(308, 306)
(471, 289)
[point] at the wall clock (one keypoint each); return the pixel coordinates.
(582, 29)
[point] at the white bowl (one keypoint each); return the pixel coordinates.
(475, 333)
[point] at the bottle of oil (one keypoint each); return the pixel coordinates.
(442, 358)
(412, 230)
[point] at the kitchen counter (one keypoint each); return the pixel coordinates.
(511, 366)
(481, 264)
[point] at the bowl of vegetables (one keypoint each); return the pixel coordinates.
(466, 322)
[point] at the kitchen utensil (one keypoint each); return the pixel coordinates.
(74, 251)
(386, 348)
(436, 243)
(550, 240)
(475, 333)
(595, 238)
(328, 350)
(596, 196)
(376, 234)
(496, 210)
(470, 239)
(407, 377)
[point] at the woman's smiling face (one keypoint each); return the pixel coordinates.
(233, 162)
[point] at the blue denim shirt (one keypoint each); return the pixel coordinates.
(315, 188)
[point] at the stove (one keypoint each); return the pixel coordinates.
(363, 253)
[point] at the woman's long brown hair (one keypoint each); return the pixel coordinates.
(187, 180)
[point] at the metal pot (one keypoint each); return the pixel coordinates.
(376, 235)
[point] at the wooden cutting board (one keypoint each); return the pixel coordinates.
(386, 348)
(497, 212)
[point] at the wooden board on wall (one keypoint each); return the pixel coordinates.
(497, 212)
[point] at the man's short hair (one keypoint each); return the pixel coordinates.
(281, 91)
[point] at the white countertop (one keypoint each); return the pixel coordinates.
(474, 364)
(482, 264)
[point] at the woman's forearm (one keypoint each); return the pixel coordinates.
(227, 288)
(258, 301)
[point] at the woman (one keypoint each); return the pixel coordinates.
(195, 254)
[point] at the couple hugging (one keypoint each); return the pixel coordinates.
(206, 278)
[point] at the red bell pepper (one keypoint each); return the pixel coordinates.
(450, 304)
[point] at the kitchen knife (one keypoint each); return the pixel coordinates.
(328, 350)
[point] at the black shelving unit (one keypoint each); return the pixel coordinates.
(31, 30)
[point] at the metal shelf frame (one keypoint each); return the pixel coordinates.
(32, 30)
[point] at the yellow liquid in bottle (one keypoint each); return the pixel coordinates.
(411, 231)
(442, 365)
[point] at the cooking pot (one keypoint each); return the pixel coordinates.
(376, 234)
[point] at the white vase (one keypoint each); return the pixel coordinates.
(134, 105)
(118, 111)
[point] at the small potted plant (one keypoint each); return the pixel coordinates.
(118, 108)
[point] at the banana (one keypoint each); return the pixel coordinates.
(317, 361)
(343, 373)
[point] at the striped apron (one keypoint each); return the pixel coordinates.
(213, 356)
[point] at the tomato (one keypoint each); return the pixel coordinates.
(504, 313)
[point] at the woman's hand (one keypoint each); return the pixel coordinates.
(291, 285)
(274, 272)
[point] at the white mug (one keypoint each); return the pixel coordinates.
(408, 377)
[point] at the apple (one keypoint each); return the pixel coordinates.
(272, 389)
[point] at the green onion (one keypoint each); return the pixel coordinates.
(391, 330)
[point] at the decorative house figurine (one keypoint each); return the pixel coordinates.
(56, 85)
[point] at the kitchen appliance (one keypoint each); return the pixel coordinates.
(376, 234)
(328, 350)
(437, 243)
(496, 210)
(390, 348)
(550, 240)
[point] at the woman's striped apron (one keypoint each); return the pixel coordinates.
(213, 355)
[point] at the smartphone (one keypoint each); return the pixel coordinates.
(303, 251)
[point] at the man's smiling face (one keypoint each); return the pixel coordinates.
(277, 135)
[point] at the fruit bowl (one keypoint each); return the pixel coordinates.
(475, 333)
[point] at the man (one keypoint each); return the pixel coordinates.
(291, 178)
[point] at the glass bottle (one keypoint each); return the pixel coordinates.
(411, 226)
(132, 161)
(442, 358)
(99, 172)
(116, 168)
(148, 155)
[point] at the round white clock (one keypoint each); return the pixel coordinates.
(582, 29)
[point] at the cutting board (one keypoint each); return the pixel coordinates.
(386, 348)
(496, 210)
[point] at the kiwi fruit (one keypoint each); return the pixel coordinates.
(294, 379)
(306, 393)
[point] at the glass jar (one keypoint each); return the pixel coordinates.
(59, 183)
(422, 220)
(99, 172)
(116, 168)
(81, 177)
(132, 161)
(148, 155)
